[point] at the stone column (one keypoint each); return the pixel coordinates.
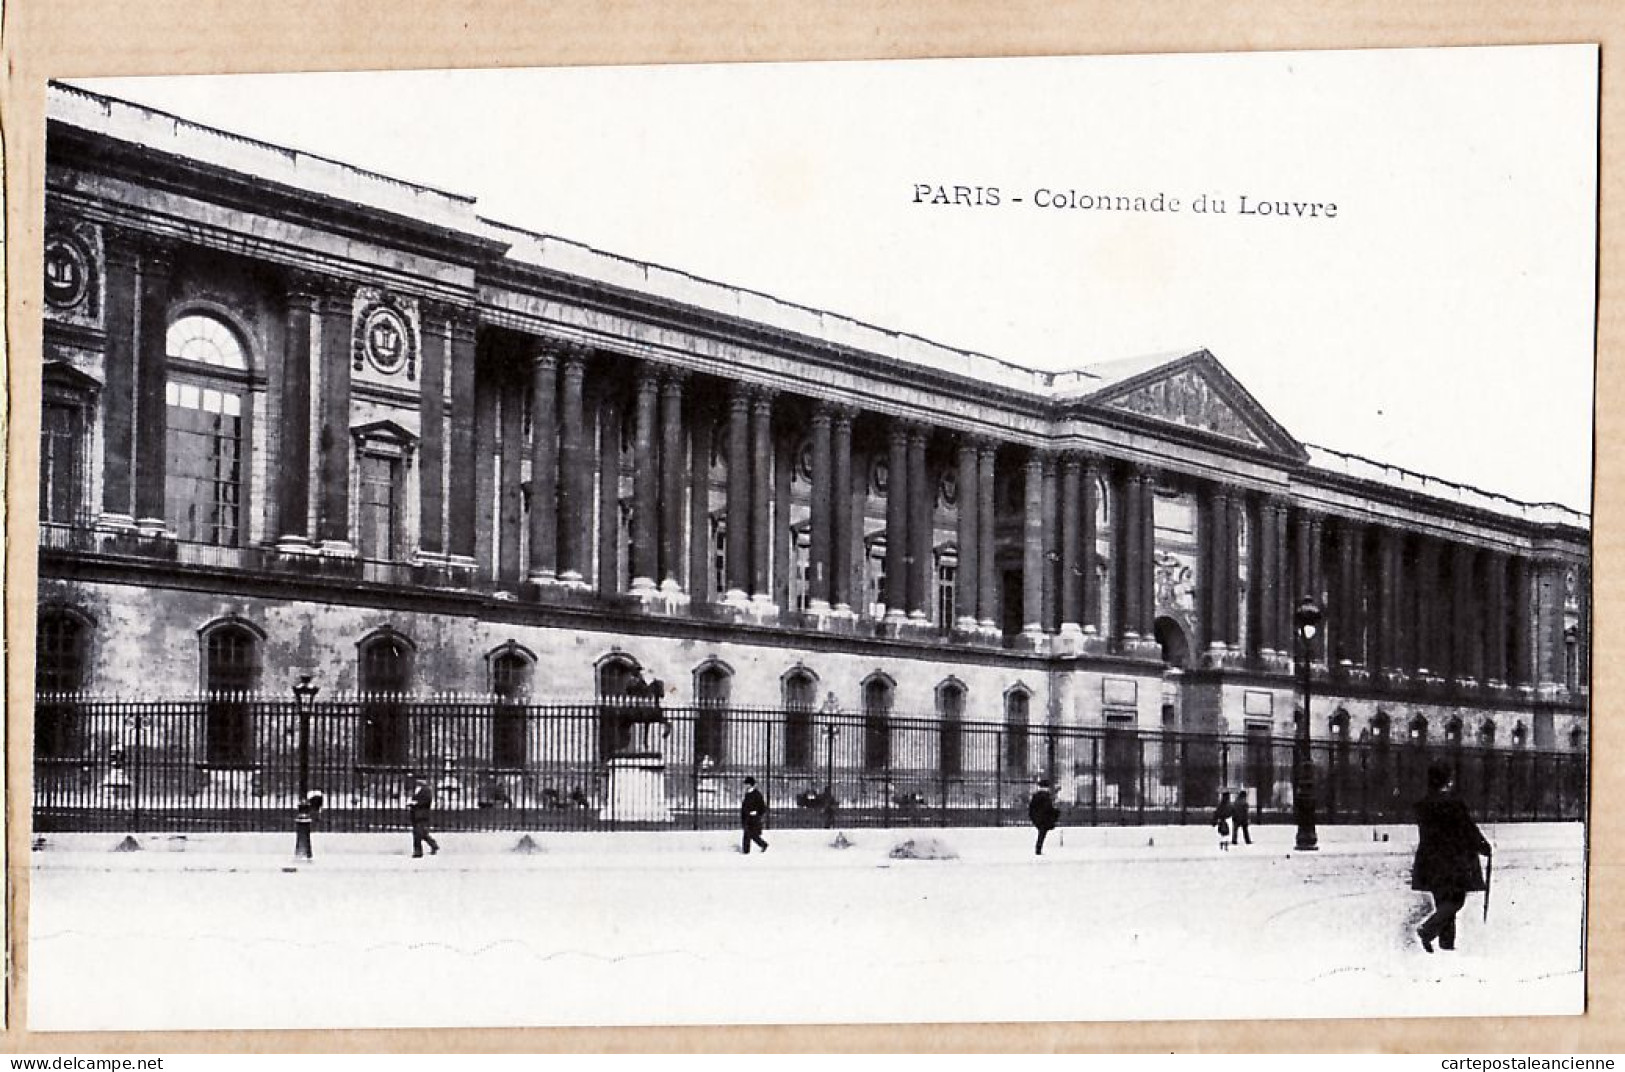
(841, 510)
(1583, 640)
(1495, 619)
(1032, 560)
(1428, 597)
(739, 487)
(897, 547)
(1088, 506)
(1343, 638)
(544, 464)
(701, 584)
(987, 595)
(1148, 558)
(1214, 563)
(1463, 648)
(511, 395)
(460, 492)
(1260, 578)
(1518, 673)
(575, 472)
(922, 502)
(1125, 557)
(1070, 547)
(645, 482)
(761, 492)
(1050, 577)
(1359, 613)
(673, 472)
(336, 311)
(293, 451)
(1385, 636)
(152, 377)
(610, 414)
(969, 536)
(818, 601)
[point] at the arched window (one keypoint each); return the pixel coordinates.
(511, 671)
(60, 654)
(1520, 735)
(951, 727)
(205, 490)
(231, 669)
(1486, 734)
(1419, 730)
(1016, 752)
(616, 675)
(877, 705)
(1576, 738)
(1340, 725)
(800, 695)
(386, 673)
(1452, 732)
(713, 686)
(1381, 728)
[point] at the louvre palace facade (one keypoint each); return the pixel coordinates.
(303, 419)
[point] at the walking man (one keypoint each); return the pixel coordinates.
(418, 812)
(1044, 814)
(752, 811)
(1448, 847)
(1221, 821)
(1238, 820)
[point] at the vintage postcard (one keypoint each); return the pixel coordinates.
(1053, 539)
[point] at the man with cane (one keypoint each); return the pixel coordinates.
(1447, 852)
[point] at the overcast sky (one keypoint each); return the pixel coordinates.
(1442, 321)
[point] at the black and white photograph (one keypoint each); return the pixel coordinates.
(1072, 538)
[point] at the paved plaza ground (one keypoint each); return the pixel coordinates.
(1120, 923)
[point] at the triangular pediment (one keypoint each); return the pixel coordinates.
(1197, 396)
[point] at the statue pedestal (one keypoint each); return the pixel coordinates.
(637, 789)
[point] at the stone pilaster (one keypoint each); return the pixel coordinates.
(336, 311)
(544, 464)
(645, 483)
(1089, 506)
(152, 375)
(1032, 562)
(987, 595)
(460, 490)
(922, 501)
(1071, 548)
(293, 451)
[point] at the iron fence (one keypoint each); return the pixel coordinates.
(235, 762)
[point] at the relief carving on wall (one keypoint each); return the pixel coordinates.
(386, 334)
(72, 273)
(1187, 398)
(1176, 584)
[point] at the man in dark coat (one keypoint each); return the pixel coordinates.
(752, 810)
(418, 811)
(1044, 814)
(1447, 852)
(1238, 820)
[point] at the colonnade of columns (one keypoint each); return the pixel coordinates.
(1398, 602)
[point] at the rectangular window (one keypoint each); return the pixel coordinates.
(947, 584)
(378, 519)
(204, 487)
(59, 462)
(719, 555)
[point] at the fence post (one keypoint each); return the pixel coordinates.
(1094, 781)
(998, 777)
(137, 769)
(1181, 777)
(1139, 766)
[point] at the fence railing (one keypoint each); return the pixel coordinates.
(241, 762)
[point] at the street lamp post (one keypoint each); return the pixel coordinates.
(304, 692)
(1306, 622)
(830, 732)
